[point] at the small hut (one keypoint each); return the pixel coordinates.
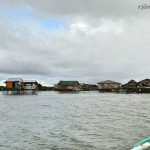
(132, 86)
(30, 86)
(13, 83)
(145, 82)
(67, 86)
(145, 85)
(109, 86)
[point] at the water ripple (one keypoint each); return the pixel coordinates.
(82, 121)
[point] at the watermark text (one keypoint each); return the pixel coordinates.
(143, 6)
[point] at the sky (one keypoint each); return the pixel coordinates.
(85, 40)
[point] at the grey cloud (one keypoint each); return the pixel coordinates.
(105, 48)
(95, 8)
(75, 55)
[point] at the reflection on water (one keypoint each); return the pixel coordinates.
(83, 121)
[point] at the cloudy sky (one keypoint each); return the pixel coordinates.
(85, 40)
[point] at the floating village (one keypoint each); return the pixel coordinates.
(18, 86)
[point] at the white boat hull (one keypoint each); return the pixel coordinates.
(145, 146)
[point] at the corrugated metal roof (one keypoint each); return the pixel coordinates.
(146, 81)
(29, 81)
(13, 79)
(108, 82)
(68, 82)
(132, 81)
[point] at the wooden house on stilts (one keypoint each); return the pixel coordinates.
(19, 86)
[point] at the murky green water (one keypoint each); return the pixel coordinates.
(69, 121)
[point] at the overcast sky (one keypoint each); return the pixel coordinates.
(85, 40)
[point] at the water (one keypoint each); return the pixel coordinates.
(69, 121)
